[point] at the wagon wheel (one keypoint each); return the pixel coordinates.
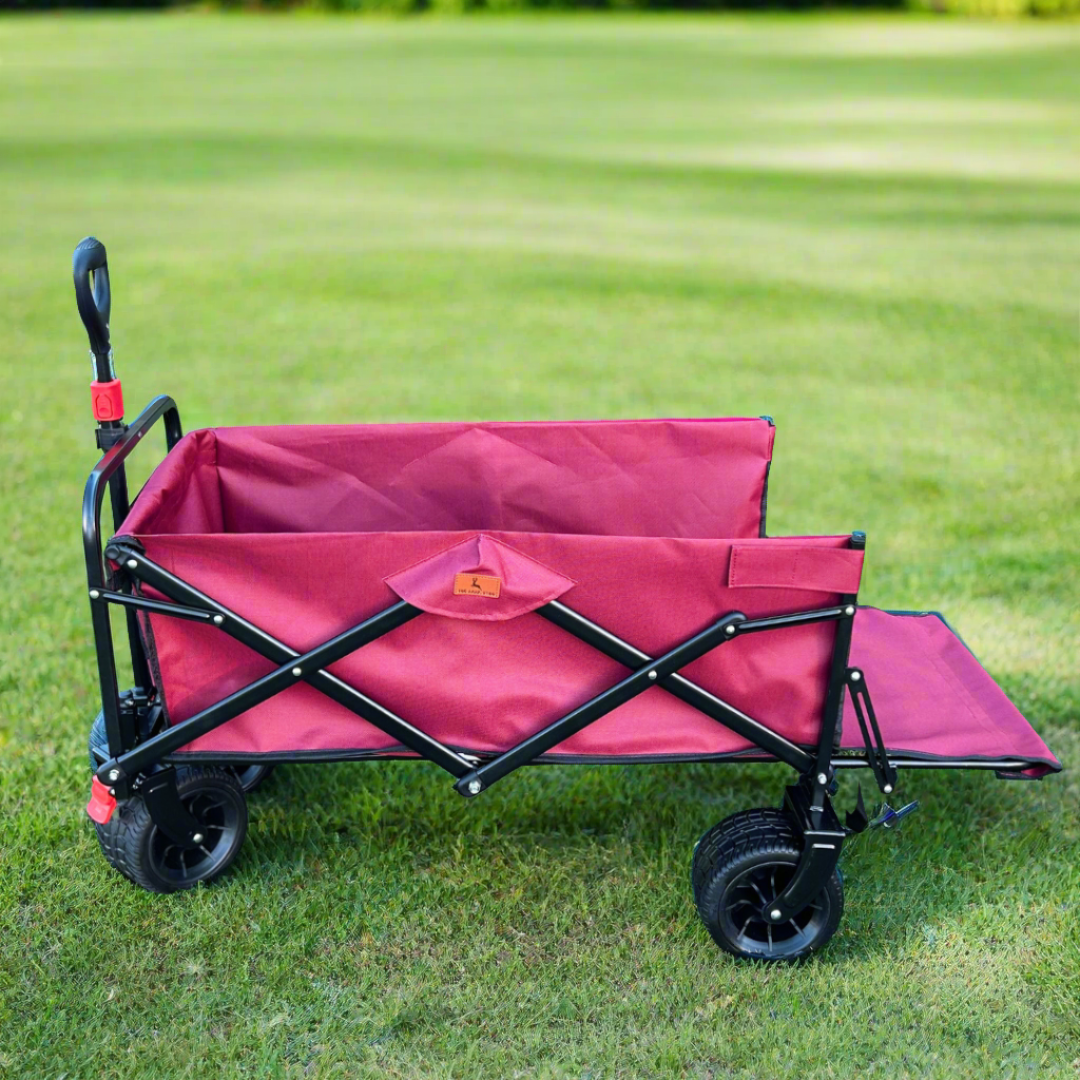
(135, 846)
(743, 864)
(99, 743)
(250, 776)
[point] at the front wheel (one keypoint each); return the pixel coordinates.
(135, 846)
(745, 865)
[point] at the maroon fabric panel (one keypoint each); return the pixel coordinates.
(485, 685)
(932, 697)
(525, 584)
(183, 494)
(680, 478)
(785, 564)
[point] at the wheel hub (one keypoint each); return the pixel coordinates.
(753, 891)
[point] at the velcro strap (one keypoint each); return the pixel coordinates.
(795, 566)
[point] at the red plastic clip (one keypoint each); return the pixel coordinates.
(102, 802)
(108, 400)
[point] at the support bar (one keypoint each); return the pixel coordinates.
(140, 603)
(678, 685)
(800, 618)
(832, 715)
(884, 773)
(899, 762)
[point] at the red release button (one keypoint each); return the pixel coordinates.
(107, 399)
(101, 804)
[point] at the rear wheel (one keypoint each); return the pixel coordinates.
(742, 865)
(251, 776)
(99, 743)
(133, 844)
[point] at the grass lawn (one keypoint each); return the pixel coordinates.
(868, 228)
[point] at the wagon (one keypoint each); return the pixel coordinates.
(491, 595)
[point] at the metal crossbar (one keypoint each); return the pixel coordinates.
(680, 686)
(649, 675)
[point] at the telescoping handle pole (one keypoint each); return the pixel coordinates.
(90, 266)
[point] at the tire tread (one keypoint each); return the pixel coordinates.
(745, 835)
(122, 836)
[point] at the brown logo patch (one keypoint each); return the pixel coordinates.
(477, 585)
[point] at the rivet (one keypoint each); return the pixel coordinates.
(888, 789)
(474, 787)
(856, 676)
(652, 674)
(849, 610)
(822, 778)
(132, 564)
(114, 775)
(775, 913)
(218, 620)
(94, 594)
(297, 672)
(729, 629)
(197, 838)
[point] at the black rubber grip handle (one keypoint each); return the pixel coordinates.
(94, 298)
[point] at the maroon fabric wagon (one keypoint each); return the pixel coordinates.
(490, 595)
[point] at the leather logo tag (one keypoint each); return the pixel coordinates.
(477, 585)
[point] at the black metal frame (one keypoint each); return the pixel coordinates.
(141, 751)
(118, 440)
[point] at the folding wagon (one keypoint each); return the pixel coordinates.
(492, 595)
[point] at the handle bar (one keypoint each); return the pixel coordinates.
(90, 266)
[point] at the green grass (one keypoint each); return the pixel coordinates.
(868, 228)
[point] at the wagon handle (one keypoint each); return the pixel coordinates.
(91, 269)
(90, 266)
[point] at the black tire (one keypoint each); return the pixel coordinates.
(250, 776)
(134, 845)
(99, 743)
(744, 823)
(739, 867)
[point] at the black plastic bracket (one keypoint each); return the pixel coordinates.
(107, 437)
(820, 854)
(167, 812)
(131, 703)
(858, 820)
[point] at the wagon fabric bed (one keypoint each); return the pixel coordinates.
(490, 595)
